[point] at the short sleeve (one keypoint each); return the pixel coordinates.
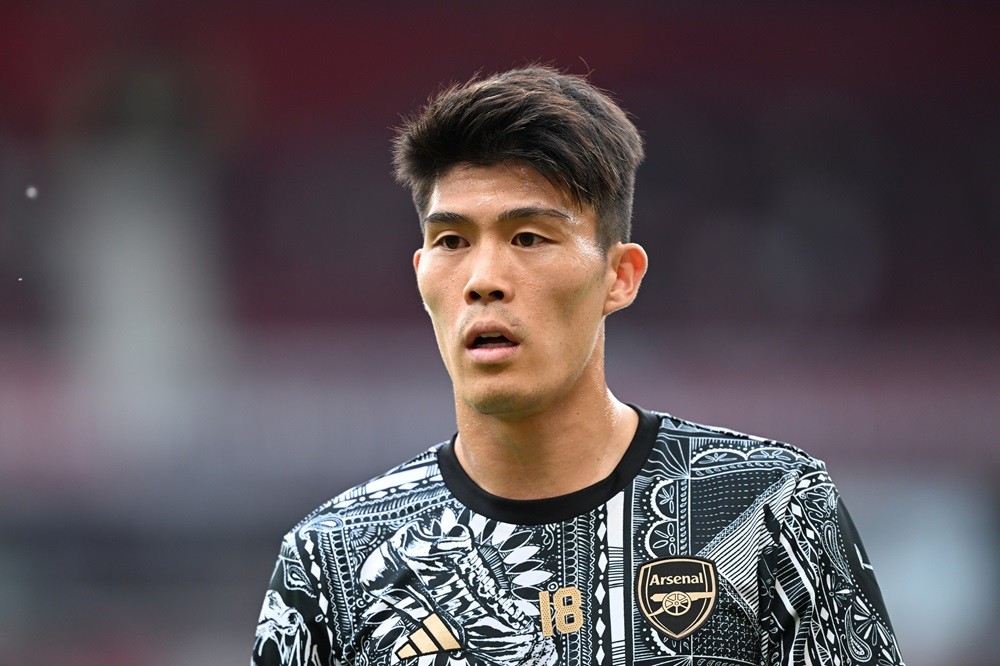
(290, 629)
(821, 603)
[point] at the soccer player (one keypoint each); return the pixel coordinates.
(561, 525)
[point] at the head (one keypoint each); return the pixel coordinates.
(558, 124)
(523, 183)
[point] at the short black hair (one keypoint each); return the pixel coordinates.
(559, 124)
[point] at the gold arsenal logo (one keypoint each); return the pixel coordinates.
(676, 594)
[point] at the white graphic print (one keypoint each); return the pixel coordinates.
(402, 571)
(284, 628)
(435, 570)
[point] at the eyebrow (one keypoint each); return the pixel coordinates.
(446, 217)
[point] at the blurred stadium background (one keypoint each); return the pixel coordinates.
(208, 321)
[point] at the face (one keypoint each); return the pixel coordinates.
(516, 287)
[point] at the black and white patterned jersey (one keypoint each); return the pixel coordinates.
(704, 547)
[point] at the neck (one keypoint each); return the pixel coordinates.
(558, 450)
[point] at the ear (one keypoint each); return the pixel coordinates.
(416, 259)
(627, 262)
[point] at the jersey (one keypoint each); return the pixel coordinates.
(704, 547)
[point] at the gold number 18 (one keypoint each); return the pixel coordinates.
(564, 605)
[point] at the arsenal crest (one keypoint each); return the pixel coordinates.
(676, 594)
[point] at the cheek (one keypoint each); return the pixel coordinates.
(569, 317)
(579, 296)
(425, 295)
(430, 285)
(434, 287)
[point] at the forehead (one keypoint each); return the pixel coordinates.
(466, 188)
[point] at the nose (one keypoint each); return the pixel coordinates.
(489, 280)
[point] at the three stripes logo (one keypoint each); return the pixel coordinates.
(433, 636)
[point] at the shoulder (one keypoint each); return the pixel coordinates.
(715, 447)
(405, 489)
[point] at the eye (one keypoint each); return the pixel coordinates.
(450, 241)
(526, 239)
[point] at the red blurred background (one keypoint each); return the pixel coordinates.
(209, 325)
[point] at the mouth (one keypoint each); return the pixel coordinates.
(491, 341)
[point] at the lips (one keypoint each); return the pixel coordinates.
(487, 335)
(491, 341)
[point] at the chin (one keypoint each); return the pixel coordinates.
(497, 402)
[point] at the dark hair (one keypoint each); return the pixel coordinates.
(559, 124)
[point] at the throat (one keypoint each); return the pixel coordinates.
(556, 459)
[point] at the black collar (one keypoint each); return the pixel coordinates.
(551, 509)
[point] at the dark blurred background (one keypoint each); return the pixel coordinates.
(209, 324)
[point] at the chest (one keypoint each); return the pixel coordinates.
(451, 588)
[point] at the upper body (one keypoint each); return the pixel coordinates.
(523, 183)
(702, 547)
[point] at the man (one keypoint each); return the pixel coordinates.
(560, 525)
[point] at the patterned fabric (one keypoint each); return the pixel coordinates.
(705, 547)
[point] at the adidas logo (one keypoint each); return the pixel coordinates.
(432, 636)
